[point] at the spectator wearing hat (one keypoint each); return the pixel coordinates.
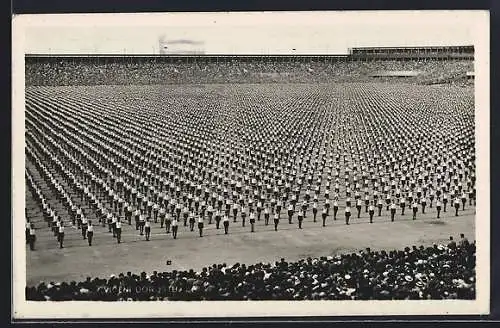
(452, 244)
(464, 242)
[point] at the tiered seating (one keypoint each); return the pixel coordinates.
(204, 71)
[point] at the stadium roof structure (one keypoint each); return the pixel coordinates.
(357, 53)
(462, 47)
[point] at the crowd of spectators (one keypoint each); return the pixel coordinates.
(92, 72)
(416, 273)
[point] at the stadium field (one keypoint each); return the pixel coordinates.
(230, 105)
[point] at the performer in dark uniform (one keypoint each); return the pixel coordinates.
(290, 213)
(218, 215)
(393, 211)
(438, 207)
(456, 203)
(300, 218)
(347, 215)
(335, 208)
(324, 214)
(175, 227)
(445, 201)
(200, 225)
(266, 215)
(276, 221)
(252, 220)
(415, 209)
(225, 223)
(192, 220)
(423, 203)
(147, 228)
(118, 230)
(61, 235)
(315, 211)
(358, 207)
(243, 216)
(32, 236)
(371, 211)
(90, 232)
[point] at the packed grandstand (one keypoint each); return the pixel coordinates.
(361, 65)
(123, 150)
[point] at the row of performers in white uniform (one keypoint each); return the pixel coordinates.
(171, 222)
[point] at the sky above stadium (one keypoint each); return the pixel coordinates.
(247, 33)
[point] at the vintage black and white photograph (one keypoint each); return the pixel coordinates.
(319, 159)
